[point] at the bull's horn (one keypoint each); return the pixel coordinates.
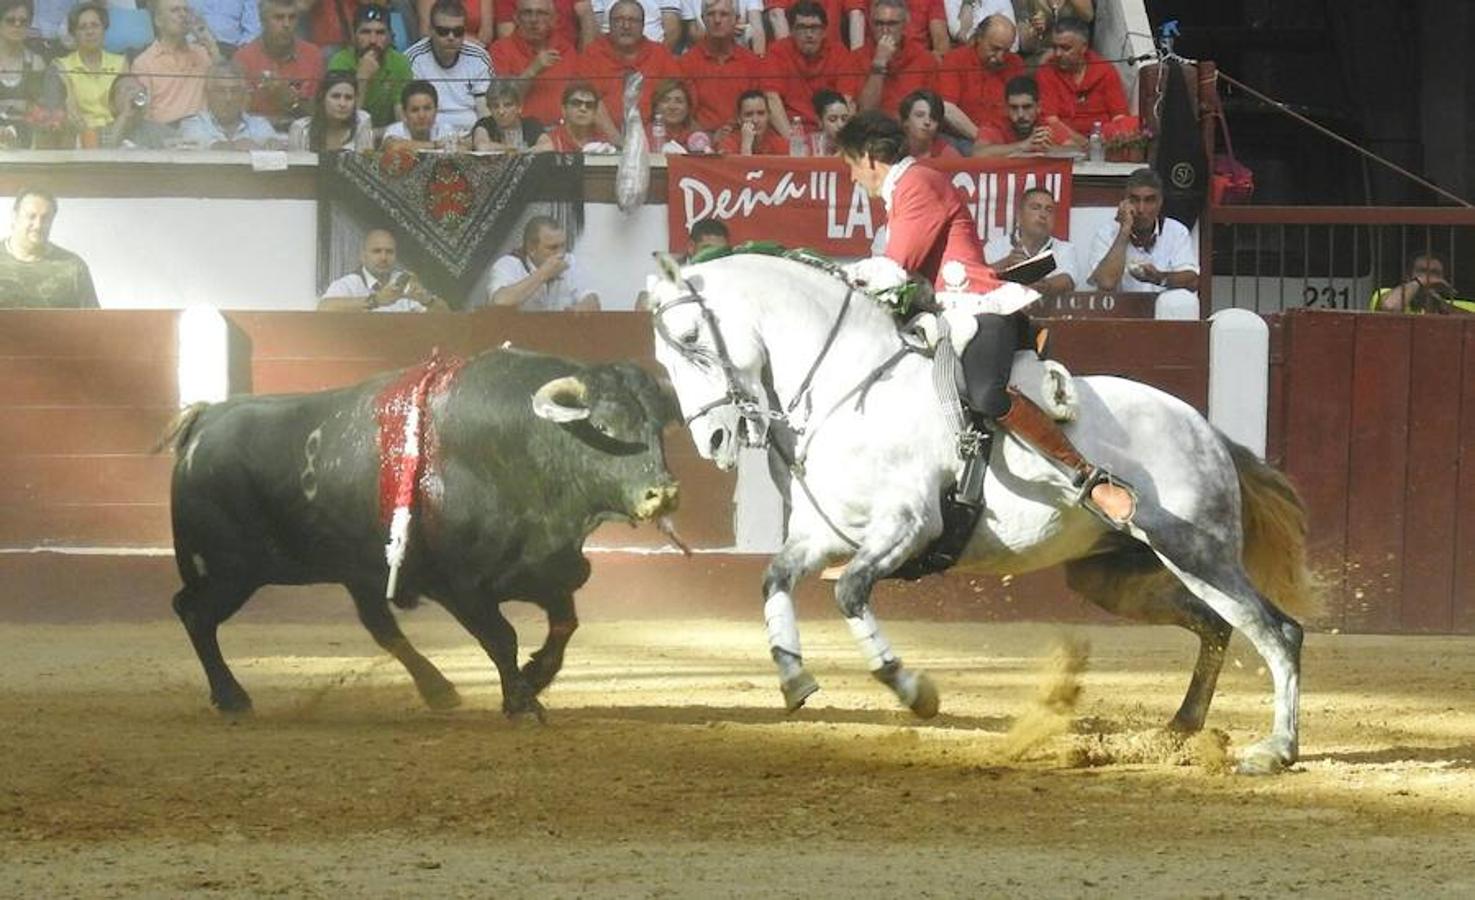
(562, 400)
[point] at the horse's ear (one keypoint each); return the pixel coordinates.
(670, 268)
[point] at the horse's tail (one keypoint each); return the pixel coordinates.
(1275, 535)
(177, 432)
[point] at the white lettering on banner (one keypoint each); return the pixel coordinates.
(726, 205)
(989, 200)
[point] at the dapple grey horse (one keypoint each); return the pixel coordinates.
(755, 344)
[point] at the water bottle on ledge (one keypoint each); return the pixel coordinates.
(658, 133)
(798, 141)
(1096, 145)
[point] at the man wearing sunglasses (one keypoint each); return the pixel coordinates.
(382, 70)
(460, 71)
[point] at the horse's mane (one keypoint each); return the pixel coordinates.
(827, 278)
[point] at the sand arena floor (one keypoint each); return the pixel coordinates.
(668, 769)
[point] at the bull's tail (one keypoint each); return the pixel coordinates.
(1275, 536)
(177, 432)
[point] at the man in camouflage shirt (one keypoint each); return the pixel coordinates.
(34, 272)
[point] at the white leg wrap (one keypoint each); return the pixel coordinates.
(783, 629)
(867, 633)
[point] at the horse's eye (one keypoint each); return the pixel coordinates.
(691, 336)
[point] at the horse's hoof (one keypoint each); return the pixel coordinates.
(233, 705)
(797, 689)
(441, 697)
(927, 701)
(1264, 758)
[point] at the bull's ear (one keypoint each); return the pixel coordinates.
(670, 268)
(563, 399)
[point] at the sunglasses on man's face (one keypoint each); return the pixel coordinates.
(451, 30)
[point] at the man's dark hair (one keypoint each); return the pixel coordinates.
(368, 12)
(806, 8)
(454, 9)
(751, 94)
(419, 87)
(25, 192)
(578, 87)
(535, 228)
(875, 134)
(1036, 190)
(709, 228)
(1072, 25)
(824, 99)
(1144, 177)
(1433, 255)
(1022, 84)
(931, 98)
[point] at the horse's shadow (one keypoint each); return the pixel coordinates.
(1458, 757)
(752, 715)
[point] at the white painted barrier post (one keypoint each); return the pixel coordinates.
(1239, 376)
(204, 356)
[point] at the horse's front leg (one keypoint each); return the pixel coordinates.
(889, 542)
(794, 561)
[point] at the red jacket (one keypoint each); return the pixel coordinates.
(929, 224)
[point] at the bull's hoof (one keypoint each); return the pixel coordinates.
(1268, 757)
(926, 702)
(797, 689)
(441, 697)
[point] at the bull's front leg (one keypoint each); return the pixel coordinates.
(547, 660)
(484, 620)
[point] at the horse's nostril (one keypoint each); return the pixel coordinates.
(716, 443)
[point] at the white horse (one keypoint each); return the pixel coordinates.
(755, 344)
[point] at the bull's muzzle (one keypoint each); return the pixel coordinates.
(658, 500)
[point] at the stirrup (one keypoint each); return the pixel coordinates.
(1095, 478)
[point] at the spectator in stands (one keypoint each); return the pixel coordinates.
(541, 275)
(577, 133)
(172, 69)
(480, 22)
(421, 128)
(1038, 18)
(672, 102)
(606, 61)
(966, 17)
(1143, 250)
(130, 128)
(926, 26)
(89, 72)
(753, 136)
(336, 122)
(810, 61)
(225, 124)
(973, 77)
(460, 71)
(382, 70)
(833, 111)
(22, 72)
(717, 68)
(539, 57)
(898, 65)
(706, 237)
(573, 22)
(47, 20)
(1077, 84)
(839, 19)
(380, 285)
(1422, 290)
(660, 20)
(1025, 133)
(35, 272)
(282, 69)
(920, 113)
(235, 23)
(506, 128)
(1033, 234)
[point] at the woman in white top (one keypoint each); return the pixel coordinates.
(336, 122)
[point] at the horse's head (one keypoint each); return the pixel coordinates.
(715, 361)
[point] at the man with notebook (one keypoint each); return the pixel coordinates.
(1033, 237)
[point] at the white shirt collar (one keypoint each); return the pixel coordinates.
(888, 184)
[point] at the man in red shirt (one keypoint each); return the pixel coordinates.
(718, 70)
(573, 20)
(1079, 86)
(541, 59)
(808, 61)
(754, 135)
(282, 70)
(839, 15)
(931, 230)
(927, 25)
(973, 77)
(609, 58)
(898, 65)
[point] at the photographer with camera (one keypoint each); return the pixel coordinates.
(381, 285)
(1423, 290)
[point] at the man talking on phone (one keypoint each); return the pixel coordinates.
(381, 285)
(1143, 250)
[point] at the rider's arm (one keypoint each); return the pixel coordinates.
(912, 230)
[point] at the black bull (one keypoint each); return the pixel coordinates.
(531, 453)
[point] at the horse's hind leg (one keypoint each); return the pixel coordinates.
(1226, 588)
(1132, 583)
(201, 607)
(374, 612)
(792, 563)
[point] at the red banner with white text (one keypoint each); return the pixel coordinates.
(812, 202)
